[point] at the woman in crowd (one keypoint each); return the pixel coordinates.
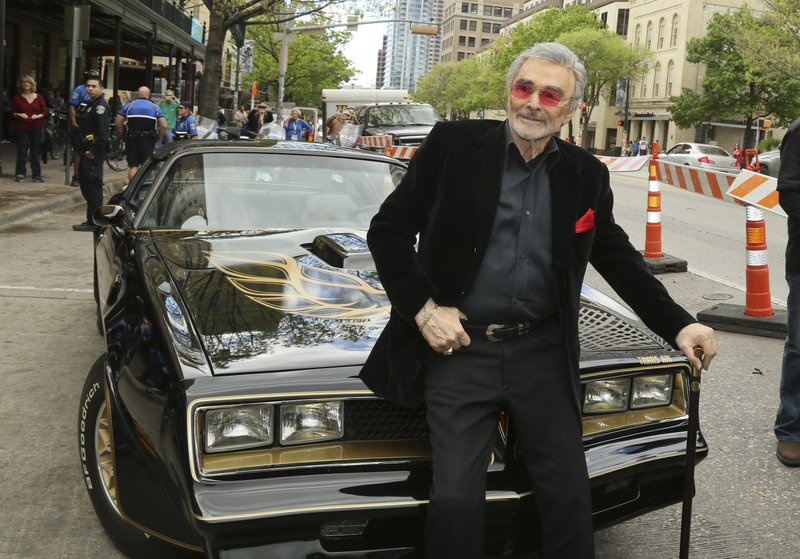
(297, 129)
(29, 110)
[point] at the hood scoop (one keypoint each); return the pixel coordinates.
(343, 250)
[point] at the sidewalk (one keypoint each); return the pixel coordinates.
(22, 200)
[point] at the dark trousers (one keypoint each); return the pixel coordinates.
(90, 177)
(528, 377)
(29, 140)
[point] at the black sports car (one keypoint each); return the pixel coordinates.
(238, 301)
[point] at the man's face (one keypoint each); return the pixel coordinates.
(183, 111)
(539, 116)
(93, 88)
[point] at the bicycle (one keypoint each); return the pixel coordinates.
(116, 158)
(55, 136)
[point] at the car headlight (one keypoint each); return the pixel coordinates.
(651, 390)
(311, 422)
(238, 428)
(604, 396)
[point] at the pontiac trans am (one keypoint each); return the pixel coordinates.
(226, 419)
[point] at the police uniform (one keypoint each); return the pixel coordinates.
(141, 118)
(78, 99)
(185, 128)
(93, 134)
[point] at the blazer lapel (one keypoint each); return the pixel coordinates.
(565, 191)
(488, 161)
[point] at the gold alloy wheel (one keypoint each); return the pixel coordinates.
(105, 456)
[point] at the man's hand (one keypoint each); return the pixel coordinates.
(442, 329)
(697, 335)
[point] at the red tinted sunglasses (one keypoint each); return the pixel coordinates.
(547, 97)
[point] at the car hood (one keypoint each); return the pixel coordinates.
(414, 130)
(284, 300)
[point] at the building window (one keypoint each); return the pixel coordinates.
(637, 37)
(471, 42)
(622, 22)
(464, 7)
(462, 24)
(485, 42)
(604, 19)
(507, 13)
(644, 85)
(473, 25)
(486, 27)
(461, 55)
(495, 28)
(498, 11)
(670, 77)
(487, 10)
(473, 8)
(673, 41)
(462, 40)
(657, 79)
(662, 30)
(648, 39)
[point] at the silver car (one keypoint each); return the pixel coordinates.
(769, 163)
(706, 156)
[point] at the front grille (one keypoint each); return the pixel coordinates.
(377, 420)
(600, 330)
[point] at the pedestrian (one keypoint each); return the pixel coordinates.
(635, 148)
(29, 109)
(737, 154)
(644, 147)
(626, 149)
(169, 106)
(508, 217)
(141, 122)
(91, 140)
(185, 126)
(78, 100)
(222, 120)
(240, 118)
(297, 129)
(787, 421)
(256, 120)
(336, 122)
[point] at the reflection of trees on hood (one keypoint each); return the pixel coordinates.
(244, 307)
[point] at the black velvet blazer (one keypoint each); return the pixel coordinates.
(449, 196)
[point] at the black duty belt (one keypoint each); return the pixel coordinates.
(142, 133)
(500, 332)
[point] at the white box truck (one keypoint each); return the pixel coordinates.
(335, 99)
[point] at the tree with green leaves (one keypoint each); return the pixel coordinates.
(732, 86)
(776, 39)
(314, 62)
(607, 58)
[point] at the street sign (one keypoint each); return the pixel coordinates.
(237, 31)
(246, 64)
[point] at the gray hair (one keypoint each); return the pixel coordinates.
(557, 54)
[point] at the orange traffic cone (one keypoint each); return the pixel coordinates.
(652, 243)
(757, 303)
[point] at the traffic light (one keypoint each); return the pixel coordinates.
(620, 123)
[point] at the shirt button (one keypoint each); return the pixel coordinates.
(527, 212)
(522, 256)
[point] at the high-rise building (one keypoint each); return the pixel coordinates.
(468, 27)
(381, 65)
(435, 45)
(406, 53)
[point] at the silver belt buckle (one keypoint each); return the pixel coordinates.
(490, 331)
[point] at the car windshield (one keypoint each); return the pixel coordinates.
(713, 150)
(403, 115)
(225, 190)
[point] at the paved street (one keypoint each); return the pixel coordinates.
(745, 498)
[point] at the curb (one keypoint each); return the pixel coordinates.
(56, 202)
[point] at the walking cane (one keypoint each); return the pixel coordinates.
(691, 447)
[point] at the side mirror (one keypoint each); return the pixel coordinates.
(109, 215)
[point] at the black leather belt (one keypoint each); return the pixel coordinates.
(500, 332)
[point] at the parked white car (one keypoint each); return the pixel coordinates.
(706, 156)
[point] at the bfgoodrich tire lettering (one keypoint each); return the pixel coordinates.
(96, 451)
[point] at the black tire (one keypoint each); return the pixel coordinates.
(58, 143)
(97, 464)
(116, 158)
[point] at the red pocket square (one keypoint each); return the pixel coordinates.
(585, 222)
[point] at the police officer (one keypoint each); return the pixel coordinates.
(78, 100)
(93, 123)
(185, 125)
(145, 126)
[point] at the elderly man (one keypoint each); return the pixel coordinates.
(142, 123)
(508, 217)
(336, 122)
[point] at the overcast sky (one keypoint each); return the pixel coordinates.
(363, 51)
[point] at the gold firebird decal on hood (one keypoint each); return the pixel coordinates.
(281, 283)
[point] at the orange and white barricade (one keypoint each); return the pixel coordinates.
(376, 142)
(401, 152)
(624, 164)
(693, 179)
